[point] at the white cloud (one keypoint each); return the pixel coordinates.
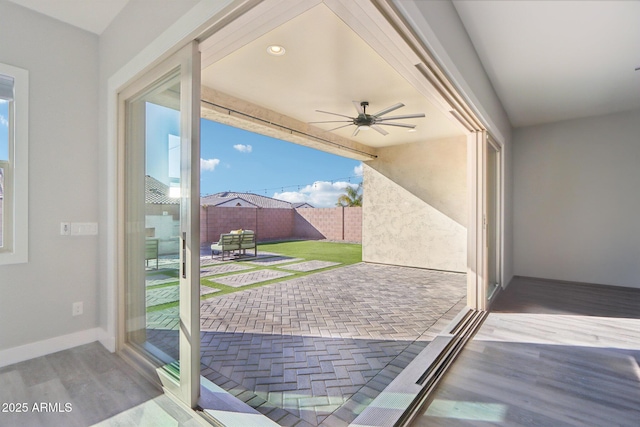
(243, 148)
(358, 170)
(3, 121)
(208, 164)
(321, 194)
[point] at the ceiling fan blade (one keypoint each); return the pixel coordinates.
(358, 107)
(379, 129)
(402, 125)
(388, 109)
(335, 114)
(406, 116)
(339, 127)
(355, 132)
(333, 121)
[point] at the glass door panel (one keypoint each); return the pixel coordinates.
(161, 271)
(153, 221)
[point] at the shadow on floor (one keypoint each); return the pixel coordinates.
(549, 354)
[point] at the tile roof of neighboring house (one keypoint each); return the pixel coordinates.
(157, 193)
(254, 199)
(302, 205)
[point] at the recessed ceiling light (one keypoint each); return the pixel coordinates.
(275, 50)
(413, 130)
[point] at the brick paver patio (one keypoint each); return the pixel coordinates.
(171, 294)
(253, 277)
(220, 269)
(316, 350)
(204, 290)
(310, 265)
(159, 279)
(274, 260)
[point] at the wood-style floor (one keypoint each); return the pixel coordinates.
(549, 354)
(84, 386)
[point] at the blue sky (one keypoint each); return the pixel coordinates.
(4, 130)
(237, 160)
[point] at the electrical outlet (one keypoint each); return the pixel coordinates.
(76, 309)
(65, 228)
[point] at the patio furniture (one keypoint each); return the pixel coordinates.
(248, 241)
(237, 240)
(227, 243)
(151, 251)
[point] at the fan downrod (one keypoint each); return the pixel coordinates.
(363, 119)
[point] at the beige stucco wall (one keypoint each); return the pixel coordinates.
(415, 205)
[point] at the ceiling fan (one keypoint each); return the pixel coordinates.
(366, 121)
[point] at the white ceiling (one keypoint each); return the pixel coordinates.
(91, 15)
(326, 67)
(557, 60)
(548, 60)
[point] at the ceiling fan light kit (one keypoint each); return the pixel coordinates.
(364, 121)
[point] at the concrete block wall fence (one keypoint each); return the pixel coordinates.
(353, 224)
(275, 224)
(329, 223)
(341, 224)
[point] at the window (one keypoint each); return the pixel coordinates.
(4, 151)
(13, 164)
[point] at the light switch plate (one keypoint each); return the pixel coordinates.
(84, 228)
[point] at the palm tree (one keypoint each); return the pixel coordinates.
(353, 197)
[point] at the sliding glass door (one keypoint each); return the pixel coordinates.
(159, 221)
(492, 216)
(484, 245)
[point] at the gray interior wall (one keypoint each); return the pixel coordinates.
(415, 205)
(576, 200)
(137, 25)
(36, 297)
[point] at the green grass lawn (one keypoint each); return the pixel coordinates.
(345, 253)
(309, 250)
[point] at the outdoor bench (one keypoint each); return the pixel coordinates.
(248, 241)
(230, 242)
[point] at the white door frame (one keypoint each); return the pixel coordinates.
(203, 18)
(477, 237)
(185, 65)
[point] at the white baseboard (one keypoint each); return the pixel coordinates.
(51, 345)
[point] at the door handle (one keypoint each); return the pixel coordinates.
(184, 255)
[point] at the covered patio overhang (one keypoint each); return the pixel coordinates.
(422, 204)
